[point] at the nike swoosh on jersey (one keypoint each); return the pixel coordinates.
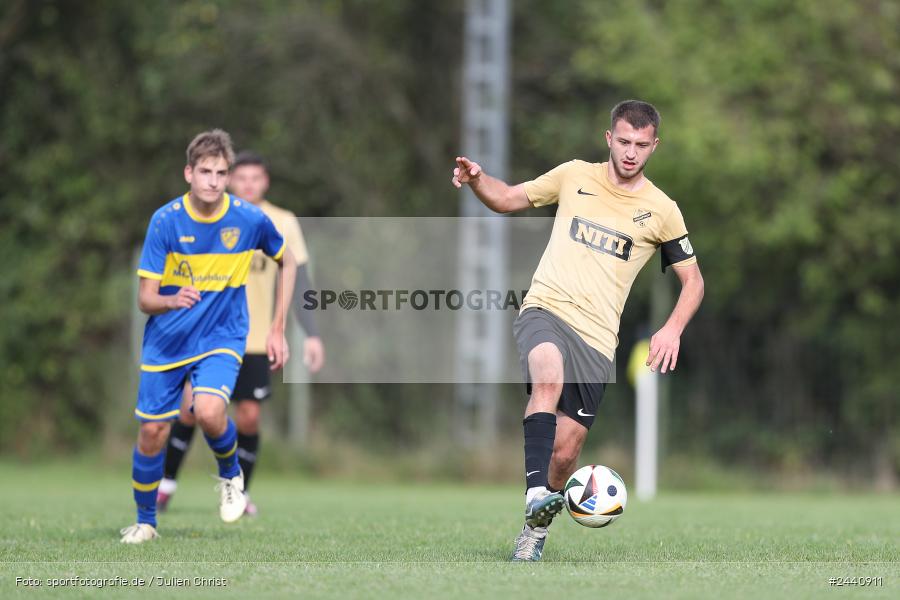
(583, 193)
(581, 413)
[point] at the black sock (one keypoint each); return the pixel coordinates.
(553, 489)
(540, 432)
(179, 442)
(247, 447)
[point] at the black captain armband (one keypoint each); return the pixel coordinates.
(675, 251)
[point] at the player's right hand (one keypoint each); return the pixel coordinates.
(313, 354)
(186, 297)
(466, 171)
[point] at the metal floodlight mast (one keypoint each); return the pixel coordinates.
(481, 335)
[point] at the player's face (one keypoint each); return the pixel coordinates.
(250, 182)
(208, 178)
(630, 148)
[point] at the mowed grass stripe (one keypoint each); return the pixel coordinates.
(330, 539)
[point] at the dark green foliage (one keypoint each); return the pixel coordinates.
(780, 141)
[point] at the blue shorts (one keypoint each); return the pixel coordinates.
(160, 392)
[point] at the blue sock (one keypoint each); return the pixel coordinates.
(225, 449)
(146, 471)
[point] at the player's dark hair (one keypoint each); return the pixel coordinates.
(636, 113)
(213, 143)
(247, 157)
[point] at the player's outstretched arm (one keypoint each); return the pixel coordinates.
(276, 344)
(497, 195)
(664, 345)
(151, 302)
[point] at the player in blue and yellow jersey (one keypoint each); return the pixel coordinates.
(250, 180)
(193, 269)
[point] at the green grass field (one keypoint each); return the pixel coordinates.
(318, 539)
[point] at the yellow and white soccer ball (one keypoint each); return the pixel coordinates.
(595, 496)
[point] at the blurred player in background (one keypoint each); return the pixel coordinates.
(610, 221)
(194, 265)
(250, 181)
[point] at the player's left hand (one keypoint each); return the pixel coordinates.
(313, 354)
(277, 349)
(664, 347)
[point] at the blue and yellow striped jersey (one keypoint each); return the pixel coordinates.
(212, 254)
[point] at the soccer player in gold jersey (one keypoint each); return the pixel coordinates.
(250, 181)
(609, 222)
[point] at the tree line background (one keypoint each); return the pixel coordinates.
(779, 137)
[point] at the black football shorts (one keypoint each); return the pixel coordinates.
(254, 381)
(587, 371)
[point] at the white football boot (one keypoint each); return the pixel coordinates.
(232, 501)
(529, 544)
(541, 509)
(138, 533)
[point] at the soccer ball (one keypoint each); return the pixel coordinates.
(595, 496)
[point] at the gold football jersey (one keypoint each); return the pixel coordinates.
(263, 276)
(602, 236)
